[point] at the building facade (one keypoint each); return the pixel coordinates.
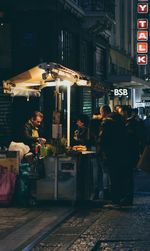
(73, 33)
(124, 70)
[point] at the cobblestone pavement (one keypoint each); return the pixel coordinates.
(20, 225)
(118, 229)
(89, 229)
(106, 229)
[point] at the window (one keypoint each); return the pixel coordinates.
(100, 61)
(84, 57)
(67, 48)
(87, 101)
(100, 5)
(100, 102)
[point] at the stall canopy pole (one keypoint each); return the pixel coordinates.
(68, 113)
(56, 94)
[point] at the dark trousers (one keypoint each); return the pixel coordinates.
(121, 178)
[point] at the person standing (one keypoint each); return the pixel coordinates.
(100, 180)
(31, 133)
(147, 128)
(81, 133)
(112, 149)
(94, 127)
(134, 129)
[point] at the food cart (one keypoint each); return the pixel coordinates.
(63, 179)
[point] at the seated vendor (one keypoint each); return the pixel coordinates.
(31, 131)
(81, 133)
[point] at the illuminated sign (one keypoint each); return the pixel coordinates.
(142, 8)
(142, 47)
(142, 35)
(142, 23)
(120, 92)
(142, 32)
(142, 59)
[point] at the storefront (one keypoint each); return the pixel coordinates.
(128, 90)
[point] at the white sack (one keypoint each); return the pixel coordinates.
(20, 147)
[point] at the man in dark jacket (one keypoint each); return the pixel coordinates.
(31, 131)
(135, 137)
(112, 149)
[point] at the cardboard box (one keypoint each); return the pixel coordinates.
(9, 161)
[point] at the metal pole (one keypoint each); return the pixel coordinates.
(57, 94)
(56, 161)
(68, 113)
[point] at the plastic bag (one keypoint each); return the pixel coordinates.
(20, 147)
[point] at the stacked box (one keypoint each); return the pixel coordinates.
(9, 161)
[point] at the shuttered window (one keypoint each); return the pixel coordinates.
(100, 102)
(87, 101)
(67, 48)
(100, 61)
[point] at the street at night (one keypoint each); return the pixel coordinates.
(74, 125)
(95, 227)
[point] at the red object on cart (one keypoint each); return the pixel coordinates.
(37, 149)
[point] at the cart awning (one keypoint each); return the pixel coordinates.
(31, 82)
